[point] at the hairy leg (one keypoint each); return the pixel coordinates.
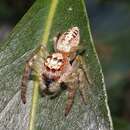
(71, 83)
(26, 74)
(55, 40)
(25, 77)
(79, 68)
(75, 81)
(70, 100)
(29, 65)
(79, 62)
(82, 85)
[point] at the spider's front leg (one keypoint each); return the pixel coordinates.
(34, 62)
(81, 85)
(83, 80)
(71, 83)
(70, 100)
(25, 77)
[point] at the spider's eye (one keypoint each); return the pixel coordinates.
(48, 68)
(60, 60)
(49, 57)
(55, 58)
(66, 33)
(53, 70)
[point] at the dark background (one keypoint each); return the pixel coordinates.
(110, 26)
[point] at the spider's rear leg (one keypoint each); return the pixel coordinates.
(83, 79)
(55, 39)
(79, 62)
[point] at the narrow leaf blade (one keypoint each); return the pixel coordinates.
(39, 26)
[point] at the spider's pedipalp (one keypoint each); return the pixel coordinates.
(54, 87)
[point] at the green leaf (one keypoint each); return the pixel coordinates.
(41, 23)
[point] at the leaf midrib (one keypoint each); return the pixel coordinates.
(48, 25)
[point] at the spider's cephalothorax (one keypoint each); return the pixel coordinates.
(67, 42)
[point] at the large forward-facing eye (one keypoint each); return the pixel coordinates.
(55, 59)
(60, 60)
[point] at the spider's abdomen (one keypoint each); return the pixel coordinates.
(68, 40)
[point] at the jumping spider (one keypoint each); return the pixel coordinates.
(58, 69)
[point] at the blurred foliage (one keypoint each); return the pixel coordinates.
(13, 10)
(110, 28)
(111, 1)
(121, 124)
